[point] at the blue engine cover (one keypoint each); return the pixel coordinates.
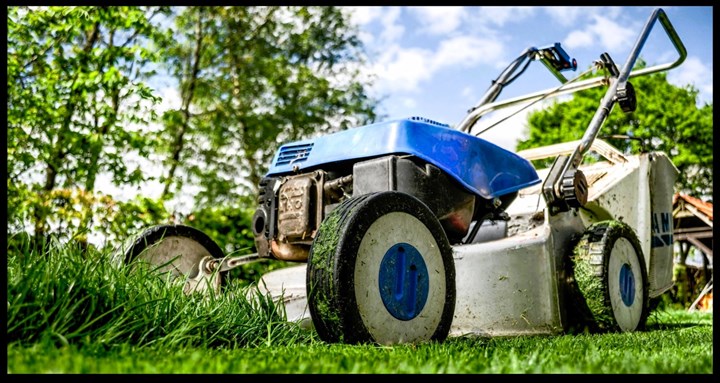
(482, 167)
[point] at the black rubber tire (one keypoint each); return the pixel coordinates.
(200, 246)
(607, 262)
(345, 280)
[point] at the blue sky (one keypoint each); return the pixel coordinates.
(438, 61)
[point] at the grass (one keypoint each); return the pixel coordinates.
(74, 312)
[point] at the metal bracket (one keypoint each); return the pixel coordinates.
(229, 263)
(553, 198)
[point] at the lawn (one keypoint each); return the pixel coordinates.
(74, 312)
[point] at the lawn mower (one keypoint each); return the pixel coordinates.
(410, 230)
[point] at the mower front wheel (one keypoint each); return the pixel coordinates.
(609, 270)
(381, 271)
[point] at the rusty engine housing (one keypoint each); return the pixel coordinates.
(292, 207)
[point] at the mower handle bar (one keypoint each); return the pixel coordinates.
(572, 87)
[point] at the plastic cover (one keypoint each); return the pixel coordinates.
(482, 167)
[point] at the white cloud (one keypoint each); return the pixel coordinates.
(466, 51)
(501, 15)
(409, 102)
(694, 72)
(569, 16)
(611, 12)
(392, 27)
(507, 133)
(611, 34)
(577, 39)
(363, 15)
(402, 69)
(439, 20)
(467, 91)
(667, 56)
(565, 16)
(608, 33)
(366, 37)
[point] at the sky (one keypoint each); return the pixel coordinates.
(438, 61)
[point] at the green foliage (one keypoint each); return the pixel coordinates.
(75, 85)
(117, 220)
(73, 211)
(80, 107)
(19, 206)
(667, 119)
(252, 78)
(72, 76)
(229, 226)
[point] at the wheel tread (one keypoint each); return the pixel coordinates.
(590, 266)
(323, 294)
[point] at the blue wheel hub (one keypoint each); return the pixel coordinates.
(403, 281)
(627, 285)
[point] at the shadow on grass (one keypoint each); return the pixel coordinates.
(677, 319)
(674, 326)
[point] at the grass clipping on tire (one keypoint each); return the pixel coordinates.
(322, 253)
(588, 270)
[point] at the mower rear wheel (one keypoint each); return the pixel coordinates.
(609, 270)
(381, 271)
(175, 250)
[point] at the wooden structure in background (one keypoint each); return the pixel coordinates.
(693, 228)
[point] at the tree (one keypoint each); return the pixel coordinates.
(667, 119)
(252, 78)
(75, 83)
(79, 107)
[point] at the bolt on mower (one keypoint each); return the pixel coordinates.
(409, 230)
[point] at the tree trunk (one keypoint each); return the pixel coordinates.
(179, 142)
(103, 129)
(59, 150)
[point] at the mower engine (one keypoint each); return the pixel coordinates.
(309, 179)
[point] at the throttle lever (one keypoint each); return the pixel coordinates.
(610, 64)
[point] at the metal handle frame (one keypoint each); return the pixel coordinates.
(565, 169)
(610, 98)
(466, 124)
